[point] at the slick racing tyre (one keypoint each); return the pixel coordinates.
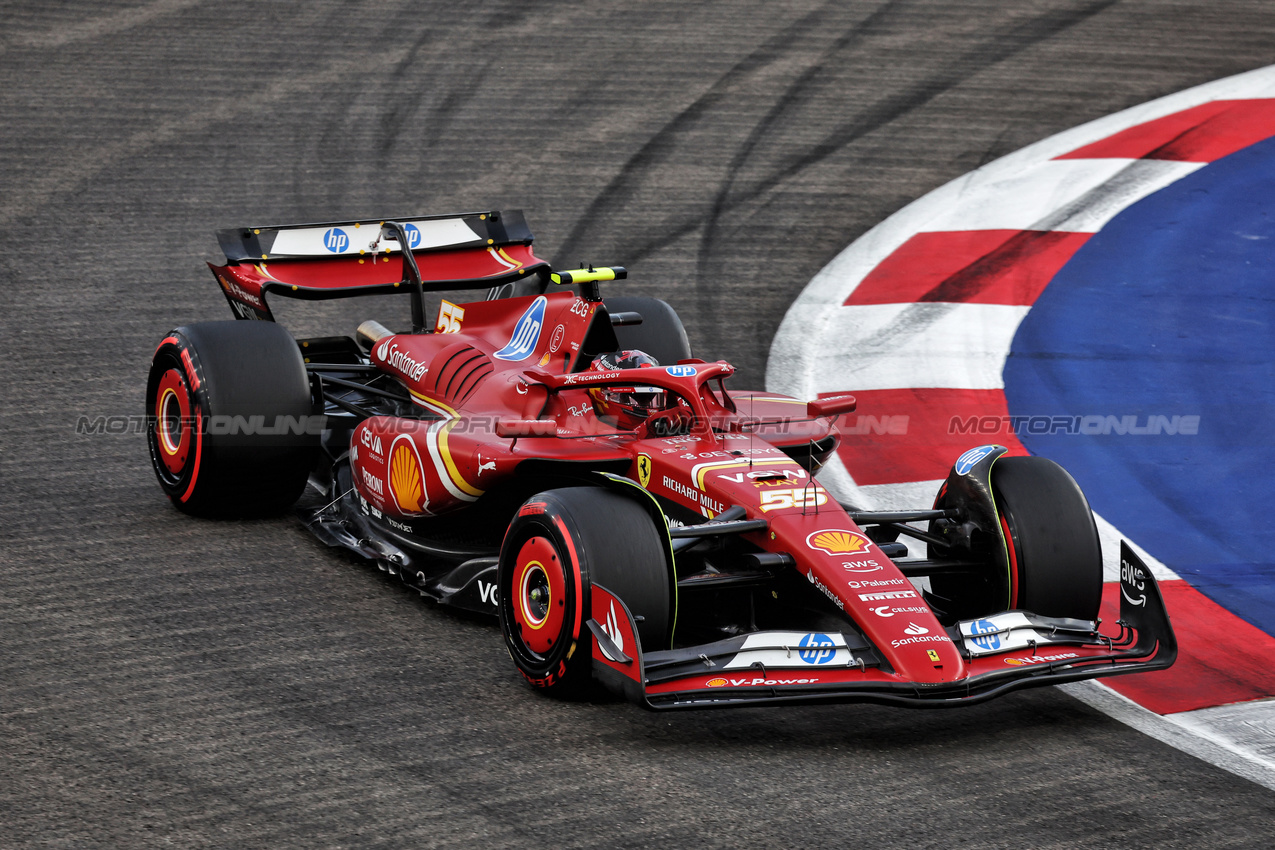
(229, 418)
(660, 335)
(1051, 544)
(1051, 538)
(558, 546)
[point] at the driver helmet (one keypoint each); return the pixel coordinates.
(628, 407)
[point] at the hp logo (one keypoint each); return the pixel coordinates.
(985, 635)
(336, 240)
(817, 649)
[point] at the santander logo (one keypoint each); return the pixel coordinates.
(401, 361)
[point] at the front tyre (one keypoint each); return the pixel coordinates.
(229, 422)
(560, 544)
(1051, 560)
(1051, 538)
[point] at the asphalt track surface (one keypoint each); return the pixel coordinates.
(173, 682)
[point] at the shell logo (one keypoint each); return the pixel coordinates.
(838, 542)
(407, 483)
(715, 683)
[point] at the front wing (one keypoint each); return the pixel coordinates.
(1003, 652)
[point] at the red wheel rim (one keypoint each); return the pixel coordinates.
(539, 587)
(172, 421)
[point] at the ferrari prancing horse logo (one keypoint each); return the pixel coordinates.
(644, 469)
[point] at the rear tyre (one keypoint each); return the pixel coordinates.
(559, 545)
(1051, 543)
(661, 333)
(229, 424)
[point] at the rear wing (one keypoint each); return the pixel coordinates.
(346, 258)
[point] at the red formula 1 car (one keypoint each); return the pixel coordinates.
(561, 461)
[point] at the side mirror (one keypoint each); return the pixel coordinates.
(831, 406)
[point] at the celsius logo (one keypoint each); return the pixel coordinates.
(817, 649)
(966, 462)
(526, 333)
(335, 240)
(413, 235)
(680, 371)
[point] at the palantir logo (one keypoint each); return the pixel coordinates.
(336, 240)
(820, 649)
(526, 333)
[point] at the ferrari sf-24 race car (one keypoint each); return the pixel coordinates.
(560, 460)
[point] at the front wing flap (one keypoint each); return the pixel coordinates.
(1004, 652)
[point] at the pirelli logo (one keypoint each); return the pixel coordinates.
(889, 594)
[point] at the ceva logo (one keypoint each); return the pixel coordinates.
(526, 333)
(336, 240)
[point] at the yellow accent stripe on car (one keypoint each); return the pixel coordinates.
(436, 406)
(452, 471)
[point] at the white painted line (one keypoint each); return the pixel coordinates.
(889, 346)
(1078, 195)
(1246, 727)
(1213, 744)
